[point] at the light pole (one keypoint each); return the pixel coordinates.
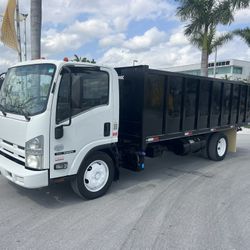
(215, 61)
(18, 31)
(25, 35)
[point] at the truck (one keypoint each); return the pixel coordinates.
(79, 122)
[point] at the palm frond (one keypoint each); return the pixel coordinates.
(244, 34)
(193, 27)
(197, 40)
(203, 17)
(222, 13)
(189, 9)
(210, 38)
(239, 4)
(77, 59)
(221, 40)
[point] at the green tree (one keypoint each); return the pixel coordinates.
(244, 34)
(239, 4)
(203, 17)
(83, 59)
(214, 41)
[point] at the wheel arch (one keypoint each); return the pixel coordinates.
(109, 149)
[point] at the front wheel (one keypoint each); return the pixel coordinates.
(94, 176)
(217, 147)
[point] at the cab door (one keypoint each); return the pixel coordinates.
(89, 104)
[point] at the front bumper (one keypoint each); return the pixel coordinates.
(21, 176)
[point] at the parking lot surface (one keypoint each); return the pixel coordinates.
(175, 203)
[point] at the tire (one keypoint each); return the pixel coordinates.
(217, 147)
(94, 177)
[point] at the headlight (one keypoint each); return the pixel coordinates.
(34, 153)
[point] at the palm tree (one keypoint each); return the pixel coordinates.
(213, 41)
(35, 28)
(239, 4)
(203, 17)
(244, 34)
(83, 59)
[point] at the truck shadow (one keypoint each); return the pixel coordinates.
(160, 169)
(53, 196)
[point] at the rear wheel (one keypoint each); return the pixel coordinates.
(94, 176)
(217, 147)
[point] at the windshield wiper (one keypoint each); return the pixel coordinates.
(2, 109)
(24, 113)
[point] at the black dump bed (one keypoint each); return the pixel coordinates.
(159, 105)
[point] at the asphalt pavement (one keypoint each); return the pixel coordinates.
(175, 203)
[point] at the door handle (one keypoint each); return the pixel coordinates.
(107, 129)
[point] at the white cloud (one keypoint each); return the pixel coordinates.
(68, 25)
(242, 16)
(59, 42)
(150, 9)
(161, 56)
(235, 49)
(176, 50)
(4, 64)
(178, 37)
(158, 51)
(120, 24)
(74, 36)
(64, 11)
(8, 57)
(151, 37)
(112, 40)
(92, 28)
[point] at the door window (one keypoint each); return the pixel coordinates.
(90, 89)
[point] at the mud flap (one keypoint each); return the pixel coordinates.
(231, 135)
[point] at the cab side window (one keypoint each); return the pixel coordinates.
(63, 101)
(90, 89)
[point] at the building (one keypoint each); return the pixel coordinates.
(232, 69)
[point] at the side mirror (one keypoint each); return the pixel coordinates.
(2, 76)
(59, 132)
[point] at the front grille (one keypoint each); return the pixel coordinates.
(20, 147)
(8, 151)
(13, 151)
(12, 158)
(7, 142)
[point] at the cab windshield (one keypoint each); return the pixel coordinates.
(25, 89)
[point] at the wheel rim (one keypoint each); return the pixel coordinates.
(96, 176)
(221, 147)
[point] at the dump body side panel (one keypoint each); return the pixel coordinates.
(159, 105)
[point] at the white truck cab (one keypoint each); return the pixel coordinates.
(59, 119)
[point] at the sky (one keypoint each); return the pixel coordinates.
(115, 33)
